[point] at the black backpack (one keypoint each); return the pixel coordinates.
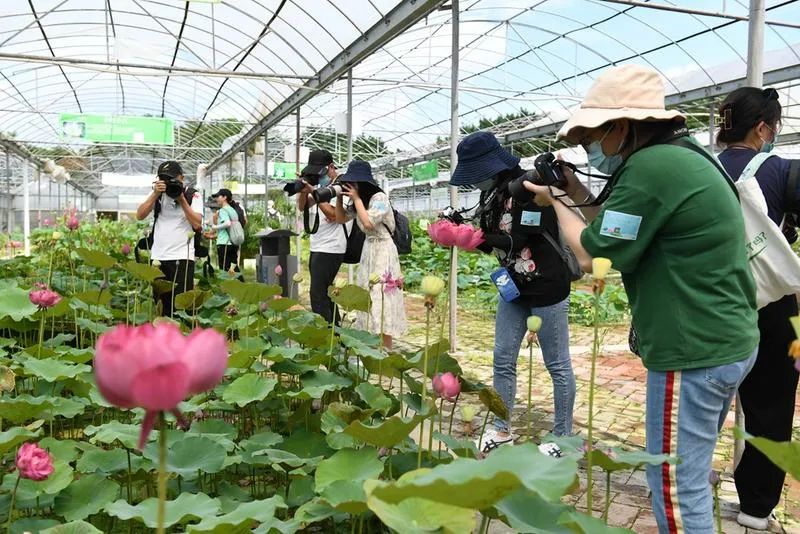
(200, 250)
(402, 233)
(355, 244)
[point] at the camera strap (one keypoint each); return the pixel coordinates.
(306, 216)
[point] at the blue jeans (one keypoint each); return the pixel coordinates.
(685, 412)
(510, 329)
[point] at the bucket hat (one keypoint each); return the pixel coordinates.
(625, 92)
(358, 171)
(480, 157)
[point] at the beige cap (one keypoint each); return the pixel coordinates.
(625, 92)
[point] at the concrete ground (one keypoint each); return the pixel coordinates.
(618, 418)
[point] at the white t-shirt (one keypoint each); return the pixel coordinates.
(173, 236)
(330, 235)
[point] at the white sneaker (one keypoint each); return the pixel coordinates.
(756, 523)
(551, 449)
(492, 440)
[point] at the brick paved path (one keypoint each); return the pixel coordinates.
(619, 416)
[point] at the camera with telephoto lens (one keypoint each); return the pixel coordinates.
(547, 170)
(174, 186)
(292, 188)
(327, 193)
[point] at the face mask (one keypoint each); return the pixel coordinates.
(601, 162)
(485, 185)
(324, 181)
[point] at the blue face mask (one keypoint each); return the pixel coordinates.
(601, 162)
(325, 180)
(768, 146)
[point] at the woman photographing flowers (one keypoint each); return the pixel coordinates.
(371, 209)
(672, 226)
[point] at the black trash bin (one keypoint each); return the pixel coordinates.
(274, 249)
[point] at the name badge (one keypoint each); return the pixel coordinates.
(620, 225)
(531, 218)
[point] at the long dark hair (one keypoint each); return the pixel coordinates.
(236, 207)
(491, 208)
(743, 109)
(366, 191)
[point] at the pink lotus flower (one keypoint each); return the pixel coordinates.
(390, 284)
(15, 244)
(43, 297)
(47, 222)
(73, 223)
(447, 386)
(278, 270)
(33, 462)
(468, 237)
(156, 367)
(126, 249)
(443, 232)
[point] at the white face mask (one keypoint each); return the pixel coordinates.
(601, 162)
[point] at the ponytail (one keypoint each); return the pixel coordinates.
(239, 211)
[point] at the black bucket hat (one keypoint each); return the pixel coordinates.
(480, 157)
(358, 171)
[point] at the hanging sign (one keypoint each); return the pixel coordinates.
(116, 129)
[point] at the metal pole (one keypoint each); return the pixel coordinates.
(266, 178)
(755, 44)
(349, 127)
(755, 78)
(297, 212)
(712, 108)
(9, 216)
(453, 161)
(244, 172)
(26, 208)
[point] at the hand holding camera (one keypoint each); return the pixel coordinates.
(171, 186)
(548, 171)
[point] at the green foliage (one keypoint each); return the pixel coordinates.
(300, 433)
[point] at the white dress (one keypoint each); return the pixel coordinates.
(379, 256)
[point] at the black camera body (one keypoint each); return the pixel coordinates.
(174, 186)
(547, 170)
(292, 188)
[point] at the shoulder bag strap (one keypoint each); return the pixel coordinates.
(685, 143)
(791, 186)
(557, 246)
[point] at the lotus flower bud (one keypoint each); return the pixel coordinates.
(297, 278)
(795, 325)
(600, 268)
(534, 323)
(431, 286)
(156, 263)
(467, 412)
(339, 283)
(374, 278)
(278, 270)
(57, 236)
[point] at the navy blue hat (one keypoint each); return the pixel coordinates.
(358, 171)
(480, 157)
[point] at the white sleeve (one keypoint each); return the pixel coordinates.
(197, 203)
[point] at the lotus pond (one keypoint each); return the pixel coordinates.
(311, 429)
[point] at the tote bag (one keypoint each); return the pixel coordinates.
(775, 266)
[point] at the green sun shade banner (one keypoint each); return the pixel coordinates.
(425, 172)
(116, 129)
(284, 171)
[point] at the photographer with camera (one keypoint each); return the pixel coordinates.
(533, 279)
(672, 225)
(328, 238)
(176, 219)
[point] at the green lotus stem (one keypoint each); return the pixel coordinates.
(608, 496)
(41, 333)
(595, 350)
(484, 528)
(333, 330)
(11, 506)
(401, 394)
(130, 490)
(530, 382)
(483, 428)
(424, 379)
(162, 474)
(717, 510)
(452, 413)
(383, 301)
